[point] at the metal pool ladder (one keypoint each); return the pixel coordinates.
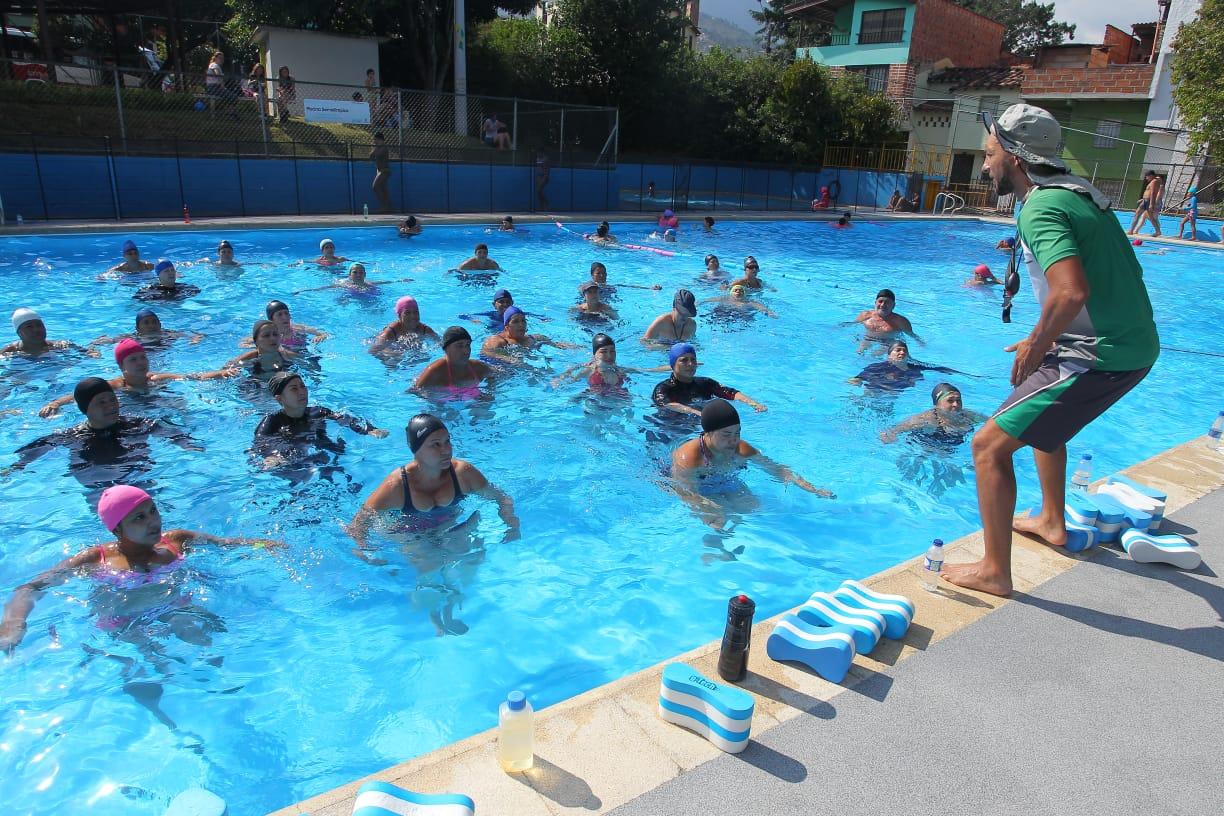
(952, 203)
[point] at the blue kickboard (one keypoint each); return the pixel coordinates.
(196, 802)
(1139, 487)
(385, 799)
(717, 711)
(897, 610)
(1174, 550)
(1080, 509)
(827, 650)
(1135, 502)
(822, 609)
(1080, 536)
(1130, 516)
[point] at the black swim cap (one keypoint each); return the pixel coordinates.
(718, 414)
(453, 335)
(685, 303)
(275, 306)
(942, 390)
(601, 340)
(89, 388)
(280, 381)
(420, 427)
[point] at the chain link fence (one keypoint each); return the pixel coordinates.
(162, 111)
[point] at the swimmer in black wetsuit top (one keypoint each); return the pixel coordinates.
(117, 444)
(897, 373)
(167, 286)
(281, 436)
(944, 425)
(679, 391)
(430, 483)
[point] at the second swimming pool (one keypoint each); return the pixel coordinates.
(309, 667)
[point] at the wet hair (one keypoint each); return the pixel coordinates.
(411, 221)
(485, 247)
(597, 265)
(900, 343)
(603, 229)
(280, 381)
(420, 427)
(259, 324)
(886, 293)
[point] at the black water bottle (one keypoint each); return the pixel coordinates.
(737, 639)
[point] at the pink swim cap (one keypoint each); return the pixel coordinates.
(403, 303)
(1137, 242)
(117, 502)
(982, 271)
(126, 347)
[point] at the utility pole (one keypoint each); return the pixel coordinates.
(460, 70)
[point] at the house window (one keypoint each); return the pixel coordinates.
(876, 76)
(882, 26)
(1107, 133)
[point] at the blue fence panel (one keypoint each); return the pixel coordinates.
(513, 189)
(323, 186)
(664, 178)
(805, 188)
(756, 183)
(560, 190)
(781, 192)
(628, 183)
(210, 186)
(19, 187)
(425, 188)
(590, 190)
(730, 186)
(471, 188)
(268, 186)
(77, 186)
(148, 187)
(701, 187)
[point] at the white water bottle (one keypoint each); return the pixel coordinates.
(515, 733)
(1217, 430)
(1082, 476)
(932, 563)
(365, 211)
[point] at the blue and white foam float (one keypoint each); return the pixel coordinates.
(897, 610)
(1136, 502)
(1160, 549)
(1111, 517)
(385, 799)
(1131, 516)
(826, 650)
(822, 609)
(719, 712)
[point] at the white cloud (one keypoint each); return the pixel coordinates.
(1091, 16)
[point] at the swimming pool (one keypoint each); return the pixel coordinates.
(314, 667)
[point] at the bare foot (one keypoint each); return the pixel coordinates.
(1049, 532)
(978, 576)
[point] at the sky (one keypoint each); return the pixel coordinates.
(1090, 16)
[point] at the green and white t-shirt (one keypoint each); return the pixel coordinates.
(1114, 331)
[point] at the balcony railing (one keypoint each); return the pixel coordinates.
(888, 35)
(838, 38)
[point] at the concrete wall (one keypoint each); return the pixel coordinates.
(1162, 112)
(313, 56)
(855, 53)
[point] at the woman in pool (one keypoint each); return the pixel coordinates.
(293, 335)
(601, 371)
(752, 276)
(676, 325)
(355, 281)
(897, 373)
(268, 356)
(737, 301)
(591, 306)
(982, 276)
(709, 464)
(225, 255)
(139, 554)
(167, 286)
(327, 254)
(135, 376)
(713, 269)
(409, 227)
(514, 337)
(407, 326)
(603, 235)
(456, 372)
(149, 332)
(428, 489)
(944, 425)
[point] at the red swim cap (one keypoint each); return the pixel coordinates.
(981, 271)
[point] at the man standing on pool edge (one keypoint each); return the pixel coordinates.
(1094, 340)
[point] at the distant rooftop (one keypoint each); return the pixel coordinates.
(1002, 76)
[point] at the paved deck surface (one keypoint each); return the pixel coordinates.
(1098, 692)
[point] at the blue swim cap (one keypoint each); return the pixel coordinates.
(678, 351)
(130, 246)
(1011, 242)
(502, 293)
(162, 264)
(509, 313)
(143, 313)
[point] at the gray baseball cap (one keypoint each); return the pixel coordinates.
(1028, 133)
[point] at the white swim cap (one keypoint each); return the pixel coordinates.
(325, 242)
(23, 315)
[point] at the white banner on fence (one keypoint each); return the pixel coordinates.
(330, 110)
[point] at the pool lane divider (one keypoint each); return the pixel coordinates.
(666, 253)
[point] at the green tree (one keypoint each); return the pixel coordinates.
(1198, 67)
(1027, 25)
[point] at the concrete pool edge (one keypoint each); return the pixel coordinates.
(604, 747)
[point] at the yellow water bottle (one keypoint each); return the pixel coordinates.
(515, 733)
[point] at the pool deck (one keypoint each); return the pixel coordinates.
(693, 217)
(1082, 693)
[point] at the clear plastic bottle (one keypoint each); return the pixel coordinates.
(515, 733)
(1213, 436)
(932, 563)
(21, 222)
(1082, 477)
(365, 211)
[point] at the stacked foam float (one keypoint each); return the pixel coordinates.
(830, 629)
(1129, 513)
(719, 712)
(384, 799)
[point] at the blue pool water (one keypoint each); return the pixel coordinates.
(302, 668)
